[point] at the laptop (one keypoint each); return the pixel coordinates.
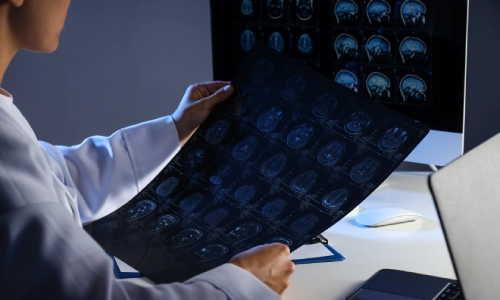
(467, 196)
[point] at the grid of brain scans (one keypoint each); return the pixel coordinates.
(282, 160)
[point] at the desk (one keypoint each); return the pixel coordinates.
(417, 246)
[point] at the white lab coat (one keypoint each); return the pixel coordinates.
(47, 192)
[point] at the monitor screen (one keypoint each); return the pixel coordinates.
(407, 54)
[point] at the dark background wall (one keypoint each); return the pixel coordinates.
(119, 62)
(482, 104)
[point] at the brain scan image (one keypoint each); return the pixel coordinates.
(304, 44)
(219, 174)
(378, 86)
(364, 170)
(186, 237)
(275, 9)
(293, 88)
(273, 209)
(304, 9)
(346, 47)
(347, 79)
(141, 209)
(324, 105)
(269, 119)
(304, 224)
(246, 8)
(243, 100)
(273, 165)
(346, 10)
(216, 133)
(392, 139)
(261, 70)
(378, 48)
(245, 148)
(357, 122)
(378, 12)
(413, 50)
(244, 193)
(167, 186)
(165, 222)
(335, 199)
(331, 153)
(216, 216)
(247, 40)
(298, 137)
(194, 158)
(276, 41)
(244, 231)
(190, 202)
(127, 240)
(413, 13)
(211, 252)
(413, 89)
(282, 240)
(108, 227)
(303, 182)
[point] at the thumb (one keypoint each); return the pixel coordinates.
(219, 96)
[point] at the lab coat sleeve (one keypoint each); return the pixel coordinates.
(44, 254)
(109, 171)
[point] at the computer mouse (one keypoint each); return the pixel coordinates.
(386, 215)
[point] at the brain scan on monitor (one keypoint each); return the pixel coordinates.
(303, 182)
(346, 10)
(364, 170)
(293, 88)
(247, 40)
(378, 86)
(346, 47)
(245, 148)
(378, 48)
(347, 79)
(167, 186)
(273, 165)
(304, 9)
(413, 13)
(392, 139)
(357, 122)
(378, 12)
(413, 50)
(331, 153)
(304, 44)
(413, 89)
(335, 199)
(300, 135)
(269, 119)
(262, 69)
(217, 132)
(275, 9)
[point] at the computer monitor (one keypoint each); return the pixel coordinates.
(409, 55)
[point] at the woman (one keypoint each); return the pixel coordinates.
(47, 192)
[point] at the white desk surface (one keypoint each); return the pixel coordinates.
(416, 246)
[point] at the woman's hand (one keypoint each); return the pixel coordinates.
(197, 103)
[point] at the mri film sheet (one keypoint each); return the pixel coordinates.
(282, 160)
